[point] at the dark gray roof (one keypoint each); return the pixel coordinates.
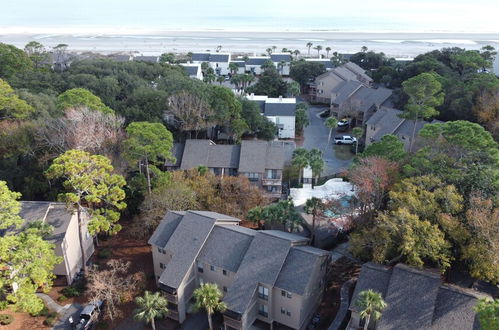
(280, 109)
(280, 57)
(261, 264)
(374, 277)
(344, 90)
(256, 156)
(177, 152)
(327, 63)
(369, 97)
(166, 228)
(201, 57)
(207, 153)
(411, 296)
(184, 245)
(257, 60)
(191, 70)
(300, 263)
(240, 64)
(53, 214)
(357, 70)
(454, 309)
(219, 58)
(150, 59)
(293, 238)
(226, 247)
(121, 58)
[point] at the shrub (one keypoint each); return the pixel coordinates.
(49, 321)
(102, 325)
(43, 312)
(105, 253)
(62, 298)
(3, 305)
(6, 319)
(70, 291)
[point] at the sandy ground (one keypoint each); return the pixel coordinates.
(401, 45)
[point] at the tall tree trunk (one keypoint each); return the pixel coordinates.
(356, 147)
(80, 236)
(148, 175)
(299, 176)
(366, 325)
(153, 324)
(328, 139)
(209, 321)
(313, 229)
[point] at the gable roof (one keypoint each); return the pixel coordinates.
(166, 228)
(226, 247)
(54, 214)
(344, 90)
(367, 97)
(280, 106)
(416, 299)
(191, 69)
(257, 60)
(210, 57)
(358, 71)
(278, 57)
(207, 153)
(177, 152)
(219, 57)
(200, 57)
(257, 156)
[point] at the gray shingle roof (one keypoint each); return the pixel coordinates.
(121, 58)
(280, 57)
(53, 214)
(386, 121)
(239, 64)
(295, 274)
(166, 228)
(293, 238)
(344, 90)
(177, 152)
(280, 109)
(226, 247)
(257, 60)
(184, 245)
(207, 153)
(256, 156)
(357, 70)
(369, 97)
(411, 294)
(201, 57)
(261, 264)
(454, 309)
(219, 58)
(191, 70)
(416, 299)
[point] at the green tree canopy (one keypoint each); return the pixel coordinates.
(488, 314)
(78, 97)
(371, 305)
(9, 207)
(149, 307)
(13, 60)
(11, 106)
(388, 147)
(208, 297)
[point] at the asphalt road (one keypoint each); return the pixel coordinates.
(337, 158)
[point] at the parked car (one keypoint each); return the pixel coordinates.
(89, 315)
(345, 139)
(344, 124)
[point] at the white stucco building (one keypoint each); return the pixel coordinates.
(280, 111)
(219, 62)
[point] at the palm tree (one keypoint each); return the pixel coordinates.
(300, 160)
(284, 50)
(330, 123)
(233, 67)
(309, 44)
(371, 303)
(316, 162)
(269, 51)
(273, 49)
(363, 49)
(219, 47)
(150, 307)
(357, 132)
(328, 49)
(208, 298)
(297, 52)
(220, 80)
(313, 206)
(318, 48)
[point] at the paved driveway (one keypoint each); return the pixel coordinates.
(337, 158)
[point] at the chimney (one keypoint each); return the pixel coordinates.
(280, 98)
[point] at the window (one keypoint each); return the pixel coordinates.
(252, 176)
(212, 268)
(289, 294)
(288, 313)
(200, 267)
(225, 289)
(283, 311)
(263, 310)
(263, 292)
(272, 174)
(172, 306)
(283, 293)
(224, 272)
(162, 265)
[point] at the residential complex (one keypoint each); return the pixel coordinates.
(260, 161)
(219, 62)
(65, 235)
(271, 276)
(416, 299)
(193, 70)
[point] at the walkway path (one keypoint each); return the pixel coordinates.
(64, 312)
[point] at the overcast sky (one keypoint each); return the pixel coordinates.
(454, 15)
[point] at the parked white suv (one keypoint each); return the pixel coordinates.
(345, 139)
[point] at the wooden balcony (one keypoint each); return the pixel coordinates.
(271, 182)
(170, 297)
(173, 315)
(232, 323)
